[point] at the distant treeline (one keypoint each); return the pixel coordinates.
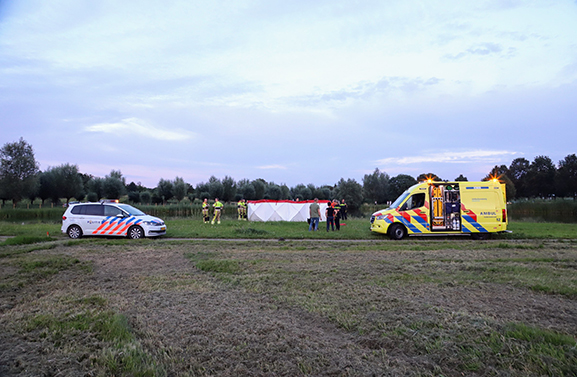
(20, 179)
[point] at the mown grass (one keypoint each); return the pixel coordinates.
(24, 240)
(119, 351)
(24, 269)
(86, 327)
(412, 300)
(374, 297)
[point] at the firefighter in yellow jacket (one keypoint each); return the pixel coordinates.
(244, 209)
(240, 209)
(205, 216)
(217, 210)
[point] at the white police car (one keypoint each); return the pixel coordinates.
(110, 219)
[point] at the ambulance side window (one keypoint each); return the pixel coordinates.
(415, 201)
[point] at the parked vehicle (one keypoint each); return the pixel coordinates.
(110, 218)
(444, 208)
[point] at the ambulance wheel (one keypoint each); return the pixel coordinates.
(397, 232)
(480, 236)
(74, 232)
(135, 232)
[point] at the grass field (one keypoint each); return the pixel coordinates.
(418, 307)
(355, 228)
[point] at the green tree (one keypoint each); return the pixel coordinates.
(566, 178)
(134, 196)
(302, 192)
(259, 188)
(95, 189)
(398, 185)
(325, 193)
(18, 170)
(228, 188)
(541, 177)
(179, 189)
(461, 178)
(518, 173)
(145, 197)
(215, 187)
(273, 192)
(201, 190)
(164, 191)
(68, 182)
(286, 192)
(375, 186)
(45, 185)
(248, 192)
(113, 185)
(352, 192)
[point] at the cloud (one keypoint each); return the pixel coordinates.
(450, 157)
(138, 127)
(480, 49)
(367, 89)
(272, 167)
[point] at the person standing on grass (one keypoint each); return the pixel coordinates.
(315, 215)
(240, 209)
(337, 214)
(330, 214)
(217, 209)
(343, 210)
(205, 216)
(244, 209)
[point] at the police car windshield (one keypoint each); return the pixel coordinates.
(131, 210)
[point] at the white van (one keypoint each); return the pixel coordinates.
(110, 219)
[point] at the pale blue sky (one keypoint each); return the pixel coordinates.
(291, 92)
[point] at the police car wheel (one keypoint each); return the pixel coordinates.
(397, 232)
(135, 233)
(74, 232)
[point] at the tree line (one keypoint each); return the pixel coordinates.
(20, 178)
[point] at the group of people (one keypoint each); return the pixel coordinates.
(241, 208)
(334, 212)
(217, 211)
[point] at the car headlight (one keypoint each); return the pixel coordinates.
(381, 217)
(152, 223)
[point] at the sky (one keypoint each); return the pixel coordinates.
(288, 91)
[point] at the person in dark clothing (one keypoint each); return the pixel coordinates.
(330, 214)
(337, 214)
(343, 210)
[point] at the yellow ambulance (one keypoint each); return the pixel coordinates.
(445, 208)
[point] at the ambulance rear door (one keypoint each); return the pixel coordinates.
(481, 207)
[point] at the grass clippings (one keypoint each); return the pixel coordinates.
(298, 308)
